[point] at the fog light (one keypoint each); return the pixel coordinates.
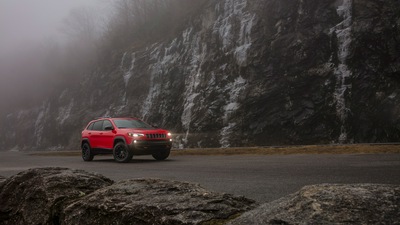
(170, 139)
(135, 141)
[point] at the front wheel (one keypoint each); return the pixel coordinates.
(122, 153)
(161, 155)
(87, 154)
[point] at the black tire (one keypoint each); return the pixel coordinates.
(87, 154)
(122, 153)
(161, 155)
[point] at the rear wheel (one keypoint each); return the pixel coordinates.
(122, 153)
(161, 155)
(87, 154)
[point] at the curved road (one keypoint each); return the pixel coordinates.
(262, 178)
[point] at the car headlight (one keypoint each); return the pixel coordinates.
(135, 135)
(169, 134)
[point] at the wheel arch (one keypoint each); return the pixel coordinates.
(119, 139)
(85, 140)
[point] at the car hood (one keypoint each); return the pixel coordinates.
(146, 130)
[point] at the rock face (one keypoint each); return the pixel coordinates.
(331, 204)
(243, 73)
(36, 196)
(64, 196)
(154, 201)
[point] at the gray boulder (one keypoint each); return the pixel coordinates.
(155, 201)
(331, 204)
(36, 196)
(65, 196)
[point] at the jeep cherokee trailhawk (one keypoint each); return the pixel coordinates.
(124, 137)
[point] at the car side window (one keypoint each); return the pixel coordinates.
(107, 123)
(98, 125)
(90, 127)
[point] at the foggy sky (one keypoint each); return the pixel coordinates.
(26, 21)
(24, 25)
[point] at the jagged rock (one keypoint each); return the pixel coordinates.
(155, 201)
(36, 196)
(65, 196)
(331, 204)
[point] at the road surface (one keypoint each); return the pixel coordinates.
(263, 177)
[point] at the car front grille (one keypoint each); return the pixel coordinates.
(154, 136)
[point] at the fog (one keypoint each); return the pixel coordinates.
(28, 21)
(28, 28)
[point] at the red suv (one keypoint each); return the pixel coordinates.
(124, 137)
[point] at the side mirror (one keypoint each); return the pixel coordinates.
(108, 128)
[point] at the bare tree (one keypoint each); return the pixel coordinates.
(83, 27)
(82, 23)
(138, 21)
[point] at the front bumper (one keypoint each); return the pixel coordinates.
(148, 147)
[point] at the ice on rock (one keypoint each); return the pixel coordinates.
(234, 10)
(40, 120)
(64, 112)
(343, 33)
(192, 81)
(235, 90)
(163, 57)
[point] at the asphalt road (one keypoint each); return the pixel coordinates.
(262, 178)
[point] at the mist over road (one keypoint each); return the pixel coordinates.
(262, 178)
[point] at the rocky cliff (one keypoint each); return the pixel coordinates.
(241, 72)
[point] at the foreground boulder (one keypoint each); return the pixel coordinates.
(36, 196)
(155, 201)
(331, 204)
(63, 196)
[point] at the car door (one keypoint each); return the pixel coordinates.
(95, 134)
(107, 138)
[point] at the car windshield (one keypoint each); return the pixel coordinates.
(121, 123)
